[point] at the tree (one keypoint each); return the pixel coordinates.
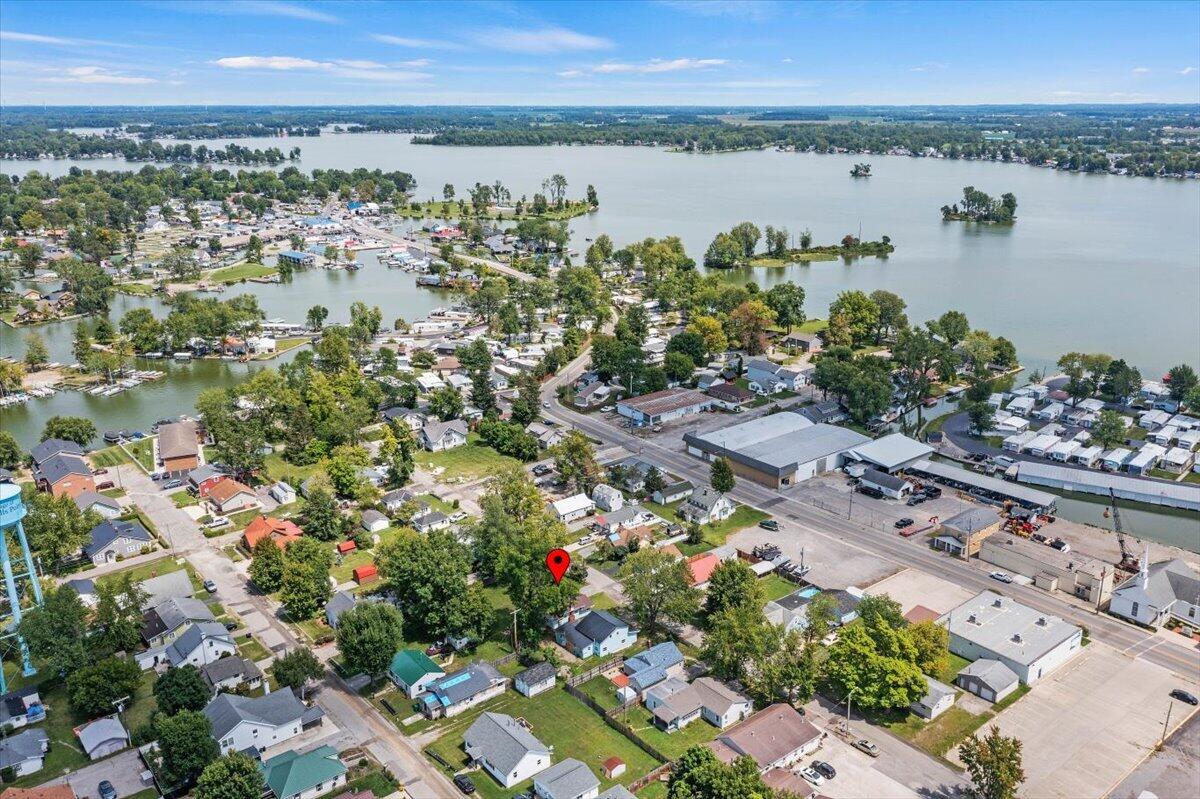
(710, 331)
(305, 583)
(56, 526)
(36, 354)
(446, 404)
(11, 454)
(877, 610)
(658, 587)
(56, 631)
(117, 622)
(953, 327)
(1121, 381)
(732, 584)
(993, 764)
(70, 428)
(316, 316)
(876, 680)
(981, 416)
(725, 252)
(737, 637)
(720, 476)
(747, 325)
(747, 235)
(266, 567)
(1182, 379)
(820, 615)
(575, 460)
(858, 313)
(428, 574)
(296, 668)
(234, 776)
(932, 641)
(322, 519)
(368, 635)
(96, 689)
(185, 747)
(698, 774)
(787, 301)
(181, 688)
(892, 318)
(678, 367)
(1109, 429)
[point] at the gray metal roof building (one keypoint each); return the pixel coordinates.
(982, 485)
(1152, 492)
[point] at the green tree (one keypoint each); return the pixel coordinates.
(70, 428)
(181, 688)
(698, 774)
(747, 325)
(787, 301)
(266, 565)
(322, 519)
(185, 747)
(953, 327)
(11, 454)
(296, 668)
(993, 763)
(711, 332)
(36, 354)
(932, 642)
(860, 668)
(446, 404)
(820, 615)
(733, 583)
(97, 688)
(1181, 379)
(428, 574)
(575, 460)
(316, 316)
(305, 583)
(368, 635)
(117, 622)
(892, 318)
(1109, 429)
(234, 776)
(658, 588)
(881, 610)
(56, 527)
(56, 631)
(737, 637)
(858, 313)
(725, 252)
(720, 476)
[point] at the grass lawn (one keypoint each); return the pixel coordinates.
(940, 736)
(281, 346)
(314, 628)
(251, 649)
(233, 553)
(239, 272)
(136, 289)
(109, 456)
(157, 568)
(344, 571)
(655, 790)
(671, 744)
(954, 664)
(239, 520)
(794, 257)
(665, 511)
(143, 452)
(184, 499)
(278, 469)
(603, 602)
(776, 587)
(558, 720)
(715, 534)
(440, 505)
(1192, 477)
(471, 461)
(601, 691)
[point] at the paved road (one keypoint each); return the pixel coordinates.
(905, 552)
(386, 235)
(343, 707)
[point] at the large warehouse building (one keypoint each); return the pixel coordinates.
(1031, 643)
(777, 450)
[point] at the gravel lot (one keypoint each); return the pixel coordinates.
(911, 587)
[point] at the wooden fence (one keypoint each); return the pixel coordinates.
(600, 668)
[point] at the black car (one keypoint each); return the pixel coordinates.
(824, 769)
(107, 791)
(464, 784)
(769, 524)
(915, 500)
(1184, 696)
(933, 492)
(902, 523)
(870, 492)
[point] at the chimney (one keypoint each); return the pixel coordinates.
(1016, 639)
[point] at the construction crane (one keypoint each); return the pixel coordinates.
(1129, 561)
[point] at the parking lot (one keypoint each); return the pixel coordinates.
(832, 564)
(912, 587)
(1085, 727)
(858, 774)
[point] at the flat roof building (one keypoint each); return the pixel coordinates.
(663, 406)
(1031, 643)
(1069, 572)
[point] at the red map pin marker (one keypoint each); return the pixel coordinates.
(558, 561)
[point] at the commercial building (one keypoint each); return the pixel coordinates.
(891, 452)
(663, 406)
(1030, 643)
(777, 450)
(887, 484)
(1069, 572)
(966, 531)
(777, 737)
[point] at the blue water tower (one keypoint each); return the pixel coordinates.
(12, 511)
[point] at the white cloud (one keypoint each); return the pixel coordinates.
(929, 66)
(767, 83)
(1187, 70)
(787, 60)
(37, 38)
(659, 65)
(571, 73)
(345, 68)
(746, 9)
(96, 75)
(414, 63)
(1141, 70)
(539, 41)
(254, 8)
(406, 41)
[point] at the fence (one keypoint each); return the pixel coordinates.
(610, 719)
(642, 782)
(612, 663)
(504, 660)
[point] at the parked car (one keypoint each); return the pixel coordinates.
(915, 499)
(217, 522)
(107, 791)
(169, 484)
(104, 484)
(100, 471)
(863, 745)
(812, 775)
(210, 586)
(542, 469)
(1003, 577)
(546, 404)
(905, 522)
(824, 769)
(932, 492)
(769, 524)
(231, 625)
(1060, 545)
(870, 492)
(1184, 696)
(459, 516)
(464, 784)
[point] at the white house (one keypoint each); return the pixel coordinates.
(198, 645)
(720, 705)
(242, 722)
(439, 436)
(505, 749)
(25, 752)
(573, 507)
(567, 779)
(887, 484)
(706, 505)
(283, 493)
(373, 521)
(607, 498)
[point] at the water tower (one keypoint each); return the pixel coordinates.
(12, 511)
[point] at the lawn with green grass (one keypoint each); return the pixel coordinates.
(239, 520)
(954, 664)
(776, 587)
(109, 456)
(671, 744)
(184, 499)
(600, 690)
(716, 533)
(557, 719)
(470, 461)
(157, 568)
(251, 649)
(279, 469)
(939, 736)
(240, 272)
(142, 451)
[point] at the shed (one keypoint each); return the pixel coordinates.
(988, 679)
(365, 574)
(535, 679)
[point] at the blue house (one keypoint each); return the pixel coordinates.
(595, 635)
(648, 668)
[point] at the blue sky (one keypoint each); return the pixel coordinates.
(576, 53)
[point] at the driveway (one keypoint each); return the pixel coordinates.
(123, 770)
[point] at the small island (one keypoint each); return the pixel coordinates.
(977, 206)
(737, 248)
(861, 171)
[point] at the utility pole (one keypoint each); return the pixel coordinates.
(849, 697)
(1166, 721)
(514, 614)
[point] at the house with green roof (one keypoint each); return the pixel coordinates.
(412, 670)
(292, 775)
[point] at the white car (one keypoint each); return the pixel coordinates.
(458, 517)
(1003, 577)
(219, 521)
(811, 775)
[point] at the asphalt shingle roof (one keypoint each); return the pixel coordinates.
(277, 708)
(501, 741)
(105, 533)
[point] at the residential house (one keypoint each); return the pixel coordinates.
(937, 700)
(1169, 589)
(824, 412)
(720, 705)
(706, 506)
(652, 666)
(198, 644)
(373, 521)
(65, 475)
(700, 569)
(178, 448)
(967, 530)
(230, 496)
(51, 447)
(988, 679)
(339, 603)
(102, 737)
(44, 791)
(607, 498)
(730, 396)
(116, 539)
(292, 775)
(791, 611)
(231, 673)
(20, 707)
(25, 752)
(573, 507)
(673, 492)
(629, 517)
(281, 531)
(776, 737)
(429, 520)
(163, 623)
(567, 779)
(201, 479)
(440, 436)
(412, 670)
(592, 396)
(394, 500)
(767, 377)
(597, 634)
(455, 693)
(673, 704)
(164, 586)
(241, 723)
(505, 749)
(546, 435)
(414, 419)
(535, 680)
(86, 589)
(805, 342)
(283, 493)
(105, 507)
